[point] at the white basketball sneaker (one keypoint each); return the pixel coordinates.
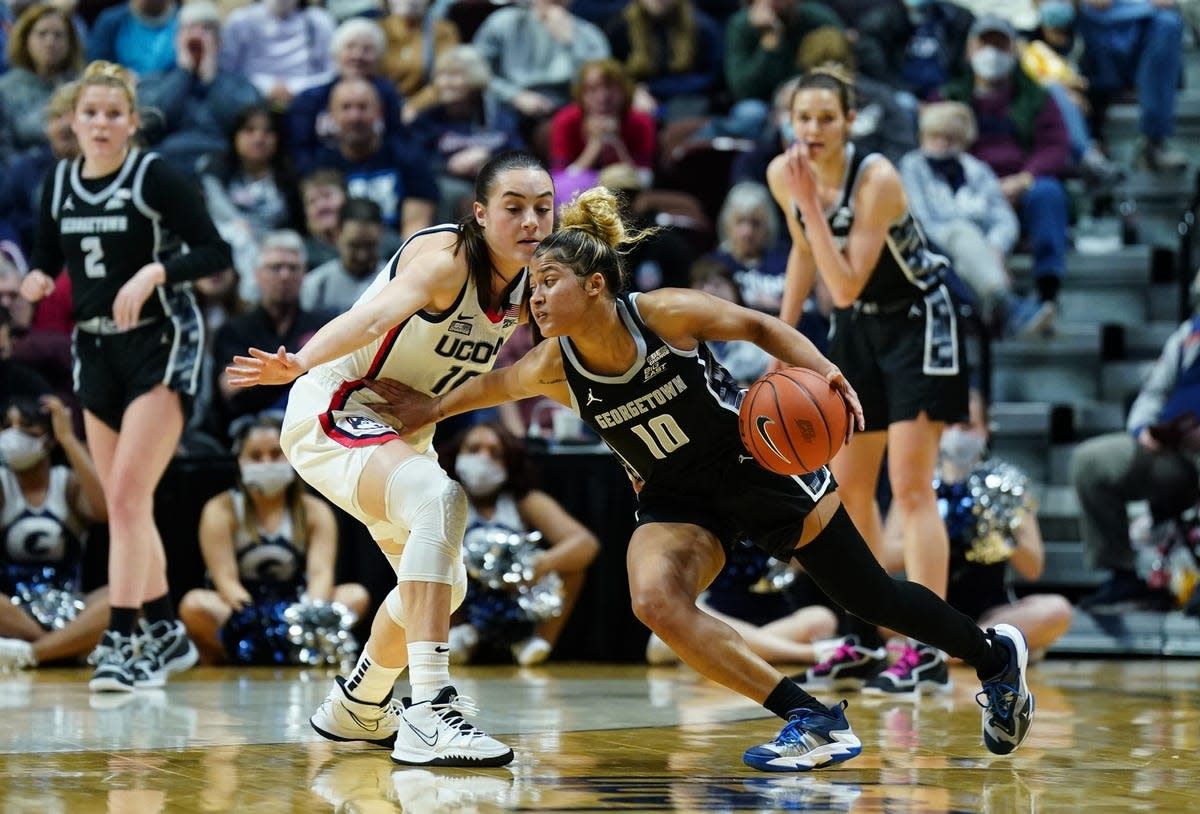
(435, 733)
(16, 654)
(344, 718)
(445, 792)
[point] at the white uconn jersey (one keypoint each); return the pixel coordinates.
(432, 353)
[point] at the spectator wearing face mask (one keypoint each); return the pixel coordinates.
(264, 541)
(45, 509)
(1021, 136)
(958, 201)
(492, 466)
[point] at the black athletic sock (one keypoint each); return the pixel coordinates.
(159, 610)
(789, 696)
(122, 620)
(840, 562)
(1048, 286)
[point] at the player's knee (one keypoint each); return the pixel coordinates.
(422, 498)
(1057, 611)
(913, 494)
(656, 608)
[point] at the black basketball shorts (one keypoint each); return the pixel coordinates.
(113, 369)
(740, 500)
(904, 361)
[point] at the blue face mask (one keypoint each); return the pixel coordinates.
(1057, 14)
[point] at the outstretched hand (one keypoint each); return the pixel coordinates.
(411, 409)
(260, 367)
(837, 380)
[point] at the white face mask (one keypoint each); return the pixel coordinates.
(991, 64)
(20, 450)
(269, 478)
(479, 474)
(962, 448)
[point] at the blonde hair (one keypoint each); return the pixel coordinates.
(62, 101)
(953, 119)
(104, 74)
(590, 236)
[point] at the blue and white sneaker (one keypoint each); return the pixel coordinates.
(809, 740)
(1008, 710)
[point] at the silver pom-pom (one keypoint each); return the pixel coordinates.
(52, 608)
(319, 633)
(1002, 502)
(504, 561)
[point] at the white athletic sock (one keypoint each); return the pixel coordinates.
(428, 668)
(369, 682)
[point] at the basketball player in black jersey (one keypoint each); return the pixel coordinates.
(895, 335)
(118, 218)
(636, 369)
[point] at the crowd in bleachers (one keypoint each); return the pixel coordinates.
(321, 136)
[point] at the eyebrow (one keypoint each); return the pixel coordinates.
(513, 194)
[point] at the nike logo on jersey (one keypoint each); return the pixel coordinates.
(114, 203)
(591, 399)
(761, 424)
(429, 740)
(465, 315)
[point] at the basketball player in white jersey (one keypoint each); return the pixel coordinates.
(436, 315)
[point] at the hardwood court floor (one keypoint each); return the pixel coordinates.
(1108, 737)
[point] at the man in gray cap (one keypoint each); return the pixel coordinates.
(1023, 138)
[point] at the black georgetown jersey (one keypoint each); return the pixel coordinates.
(106, 229)
(907, 267)
(672, 418)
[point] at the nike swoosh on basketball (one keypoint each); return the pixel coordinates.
(761, 423)
(426, 739)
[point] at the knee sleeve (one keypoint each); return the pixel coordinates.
(458, 592)
(422, 498)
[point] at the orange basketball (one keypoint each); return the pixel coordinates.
(792, 421)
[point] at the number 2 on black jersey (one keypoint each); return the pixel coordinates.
(93, 257)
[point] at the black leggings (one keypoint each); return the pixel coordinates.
(842, 565)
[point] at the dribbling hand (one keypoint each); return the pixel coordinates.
(839, 383)
(260, 367)
(36, 285)
(411, 409)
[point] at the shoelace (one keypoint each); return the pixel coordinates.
(907, 662)
(845, 652)
(1001, 700)
(453, 711)
(103, 653)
